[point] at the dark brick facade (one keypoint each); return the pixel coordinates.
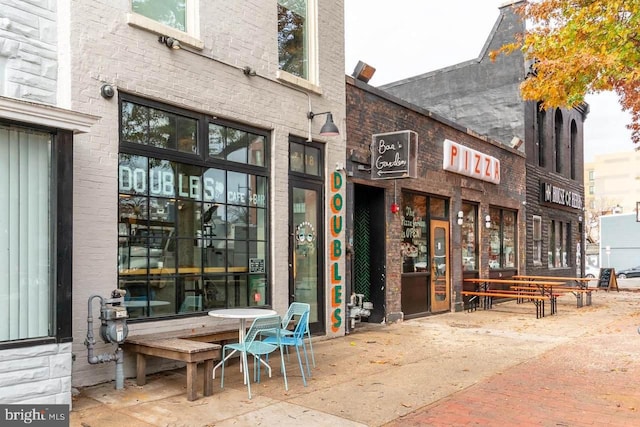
(372, 111)
(483, 95)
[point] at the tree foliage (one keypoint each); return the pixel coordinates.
(581, 47)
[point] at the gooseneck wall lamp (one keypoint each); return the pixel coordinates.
(328, 128)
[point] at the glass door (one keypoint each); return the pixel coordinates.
(440, 283)
(306, 272)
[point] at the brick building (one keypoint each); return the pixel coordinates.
(416, 228)
(483, 95)
(184, 161)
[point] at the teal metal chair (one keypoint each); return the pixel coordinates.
(256, 348)
(296, 310)
(296, 340)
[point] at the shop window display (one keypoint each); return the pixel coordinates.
(468, 232)
(502, 239)
(414, 239)
(192, 233)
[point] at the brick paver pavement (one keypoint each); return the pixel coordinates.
(594, 381)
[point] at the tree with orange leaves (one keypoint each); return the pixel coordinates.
(578, 47)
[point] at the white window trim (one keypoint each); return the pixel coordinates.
(312, 83)
(45, 115)
(191, 37)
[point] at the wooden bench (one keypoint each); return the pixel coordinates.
(489, 295)
(191, 346)
(579, 292)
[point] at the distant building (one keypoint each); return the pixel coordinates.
(612, 183)
(619, 241)
(484, 96)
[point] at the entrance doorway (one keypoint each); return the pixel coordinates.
(368, 264)
(306, 250)
(440, 283)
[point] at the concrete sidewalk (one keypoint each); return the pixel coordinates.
(496, 367)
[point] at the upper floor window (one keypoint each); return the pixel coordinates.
(177, 19)
(541, 136)
(573, 144)
(558, 138)
(172, 13)
(592, 174)
(296, 38)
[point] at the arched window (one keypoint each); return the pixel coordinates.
(558, 140)
(574, 136)
(541, 139)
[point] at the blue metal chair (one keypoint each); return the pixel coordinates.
(297, 309)
(253, 346)
(296, 340)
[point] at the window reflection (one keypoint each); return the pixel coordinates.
(469, 231)
(502, 237)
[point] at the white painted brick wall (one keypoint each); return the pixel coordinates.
(105, 49)
(39, 374)
(28, 70)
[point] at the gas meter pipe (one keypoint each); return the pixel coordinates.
(90, 342)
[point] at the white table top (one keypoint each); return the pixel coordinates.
(242, 313)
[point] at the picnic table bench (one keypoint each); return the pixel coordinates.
(489, 295)
(582, 291)
(192, 346)
(535, 294)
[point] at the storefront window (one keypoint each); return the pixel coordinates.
(558, 244)
(192, 236)
(26, 238)
(468, 232)
(414, 229)
(502, 238)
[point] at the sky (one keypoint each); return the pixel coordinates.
(404, 38)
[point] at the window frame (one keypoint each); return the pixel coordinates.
(498, 226)
(61, 238)
(559, 240)
(191, 35)
(536, 222)
(311, 81)
(203, 160)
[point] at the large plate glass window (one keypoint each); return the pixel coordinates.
(469, 233)
(193, 231)
(502, 239)
(26, 267)
(296, 38)
(559, 250)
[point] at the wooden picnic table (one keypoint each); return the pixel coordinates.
(538, 292)
(580, 291)
(581, 281)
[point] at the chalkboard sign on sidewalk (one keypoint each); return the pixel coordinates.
(608, 279)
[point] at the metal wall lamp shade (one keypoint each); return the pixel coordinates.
(170, 42)
(329, 128)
